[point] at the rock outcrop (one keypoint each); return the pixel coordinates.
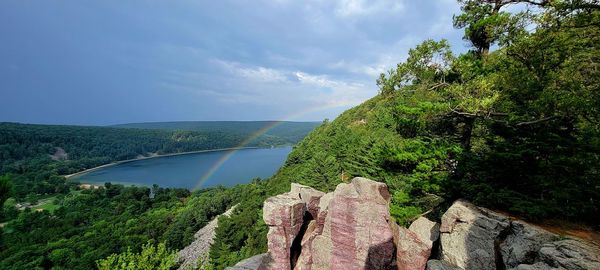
(414, 245)
(284, 214)
(252, 263)
(350, 228)
(476, 238)
(412, 252)
(565, 254)
(523, 243)
(441, 265)
(469, 236)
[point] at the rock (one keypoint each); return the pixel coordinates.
(412, 252)
(310, 196)
(353, 230)
(284, 214)
(476, 238)
(414, 245)
(470, 235)
(440, 265)
(570, 254)
(536, 266)
(427, 230)
(522, 244)
(252, 263)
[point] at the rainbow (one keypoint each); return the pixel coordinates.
(217, 165)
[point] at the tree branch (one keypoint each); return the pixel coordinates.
(535, 121)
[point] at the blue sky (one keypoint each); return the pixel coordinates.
(108, 62)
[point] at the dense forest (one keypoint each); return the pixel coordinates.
(93, 224)
(513, 124)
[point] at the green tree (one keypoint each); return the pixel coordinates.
(5, 189)
(150, 258)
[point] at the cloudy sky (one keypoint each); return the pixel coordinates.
(107, 62)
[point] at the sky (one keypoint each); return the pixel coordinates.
(97, 62)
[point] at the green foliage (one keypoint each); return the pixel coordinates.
(150, 258)
(233, 244)
(5, 189)
(92, 224)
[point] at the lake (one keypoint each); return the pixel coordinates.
(192, 171)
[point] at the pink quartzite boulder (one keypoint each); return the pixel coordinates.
(412, 253)
(414, 244)
(284, 216)
(309, 196)
(356, 232)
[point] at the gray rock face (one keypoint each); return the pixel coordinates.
(470, 235)
(569, 254)
(521, 246)
(252, 263)
(440, 265)
(476, 238)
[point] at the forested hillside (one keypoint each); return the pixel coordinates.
(514, 128)
(290, 132)
(92, 224)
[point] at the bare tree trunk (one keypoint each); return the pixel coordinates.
(467, 133)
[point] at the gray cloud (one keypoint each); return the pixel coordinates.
(209, 59)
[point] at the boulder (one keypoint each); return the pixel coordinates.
(309, 196)
(252, 263)
(284, 214)
(522, 244)
(440, 265)
(570, 254)
(470, 236)
(412, 252)
(355, 229)
(427, 230)
(476, 238)
(414, 245)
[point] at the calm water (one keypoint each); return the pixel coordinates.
(186, 171)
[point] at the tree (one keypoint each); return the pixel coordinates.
(151, 257)
(485, 22)
(5, 189)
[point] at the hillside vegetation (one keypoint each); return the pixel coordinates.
(514, 129)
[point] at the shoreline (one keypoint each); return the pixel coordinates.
(68, 176)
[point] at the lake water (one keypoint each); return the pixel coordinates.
(198, 170)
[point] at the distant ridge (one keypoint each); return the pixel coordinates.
(289, 130)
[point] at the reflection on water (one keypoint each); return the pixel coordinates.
(185, 171)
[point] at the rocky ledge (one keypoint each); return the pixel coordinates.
(351, 228)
